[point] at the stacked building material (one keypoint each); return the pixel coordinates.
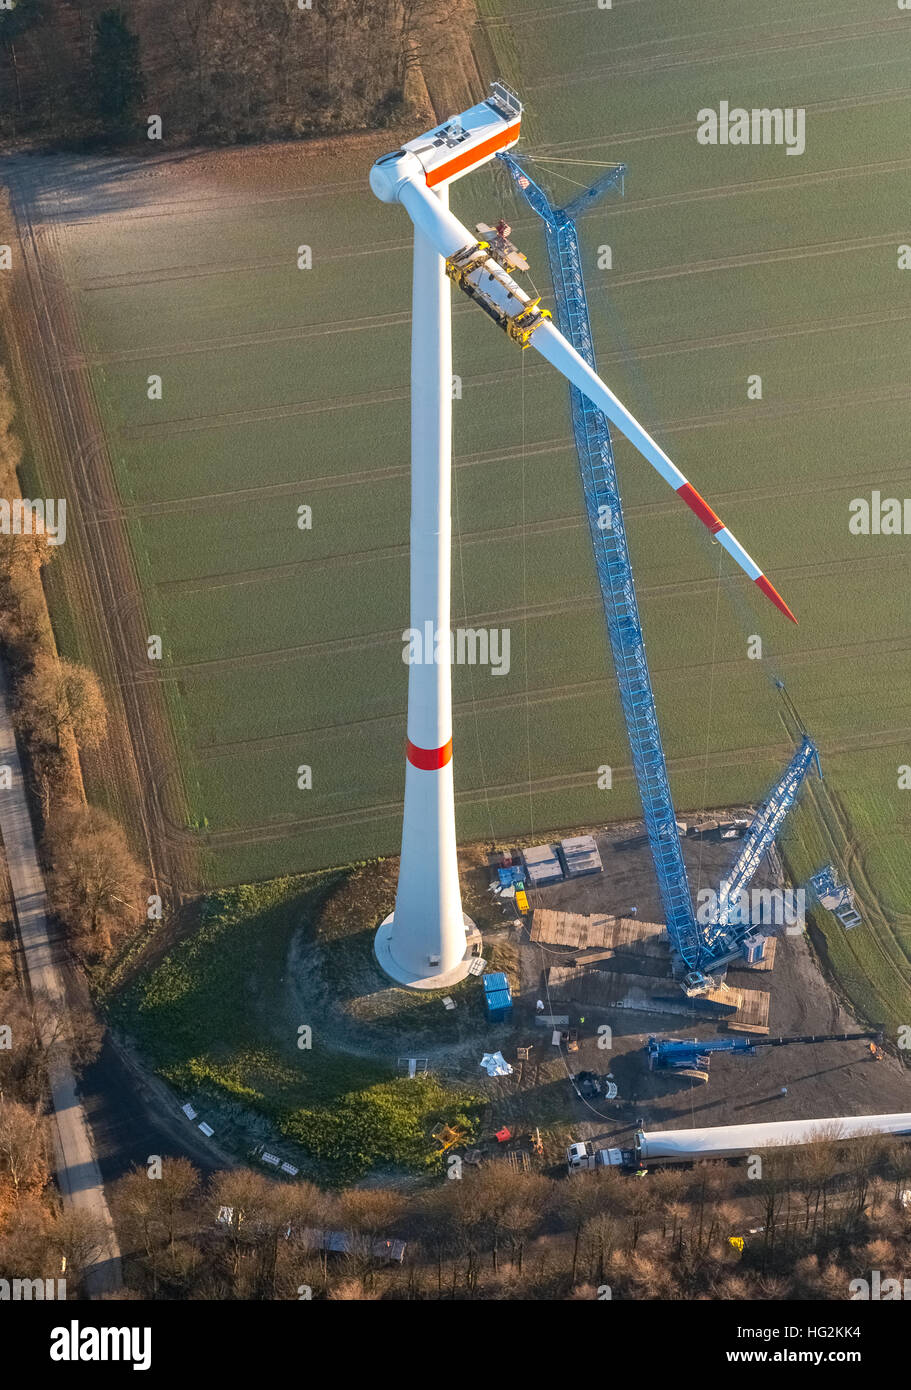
(542, 866)
(581, 856)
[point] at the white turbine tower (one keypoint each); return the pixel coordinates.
(424, 943)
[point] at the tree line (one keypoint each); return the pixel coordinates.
(819, 1217)
(96, 887)
(95, 883)
(73, 71)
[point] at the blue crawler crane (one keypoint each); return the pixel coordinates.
(700, 948)
(691, 1057)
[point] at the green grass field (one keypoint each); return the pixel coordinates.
(284, 387)
(209, 1017)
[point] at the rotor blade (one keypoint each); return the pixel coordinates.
(554, 348)
(444, 230)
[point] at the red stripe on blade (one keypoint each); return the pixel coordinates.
(429, 759)
(702, 509)
(771, 592)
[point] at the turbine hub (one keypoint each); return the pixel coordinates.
(393, 170)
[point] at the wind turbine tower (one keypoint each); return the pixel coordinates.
(425, 941)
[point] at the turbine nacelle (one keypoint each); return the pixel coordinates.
(454, 148)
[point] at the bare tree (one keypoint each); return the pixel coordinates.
(95, 883)
(368, 1216)
(59, 694)
(153, 1210)
(10, 447)
(23, 1161)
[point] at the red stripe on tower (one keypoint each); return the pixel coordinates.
(429, 759)
(702, 509)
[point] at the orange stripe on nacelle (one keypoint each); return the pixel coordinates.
(474, 156)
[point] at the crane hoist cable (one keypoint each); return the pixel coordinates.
(708, 717)
(531, 799)
(482, 773)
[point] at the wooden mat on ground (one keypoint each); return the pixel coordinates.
(621, 934)
(740, 1009)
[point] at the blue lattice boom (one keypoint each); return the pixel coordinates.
(699, 947)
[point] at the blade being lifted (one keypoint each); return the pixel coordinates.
(484, 279)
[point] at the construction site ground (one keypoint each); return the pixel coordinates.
(822, 1080)
(311, 959)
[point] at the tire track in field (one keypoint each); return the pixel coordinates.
(781, 182)
(793, 42)
(808, 329)
(774, 256)
(365, 477)
(347, 559)
(886, 646)
(499, 617)
(62, 417)
(755, 410)
(573, 521)
(546, 695)
(514, 18)
(194, 204)
(293, 333)
(264, 832)
(719, 759)
(206, 502)
(552, 150)
(171, 274)
(333, 327)
(274, 830)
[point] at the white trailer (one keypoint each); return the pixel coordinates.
(729, 1141)
(732, 1141)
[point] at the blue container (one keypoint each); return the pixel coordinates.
(495, 981)
(499, 1005)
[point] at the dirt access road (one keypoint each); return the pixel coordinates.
(94, 577)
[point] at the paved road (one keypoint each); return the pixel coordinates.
(77, 1169)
